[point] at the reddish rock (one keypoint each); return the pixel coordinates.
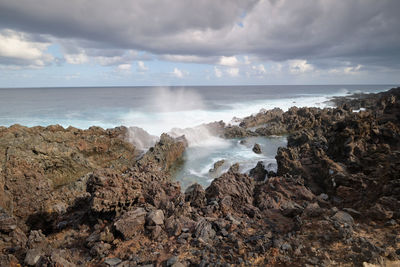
(131, 223)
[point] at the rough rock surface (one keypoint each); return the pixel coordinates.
(334, 202)
(42, 169)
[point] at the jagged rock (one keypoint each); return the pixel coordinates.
(262, 118)
(131, 223)
(7, 223)
(237, 186)
(259, 172)
(166, 152)
(378, 212)
(100, 249)
(217, 165)
(111, 192)
(257, 149)
(343, 217)
(237, 132)
(351, 157)
(41, 162)
(33, 256)
(57, 259)
(313, 210)
(196, 195)
(284, 194)
(234, 168)
(112, 261)
(204, 231)
(155, 217)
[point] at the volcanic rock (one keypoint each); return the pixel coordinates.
(257, 149)
(131, 223)
(258, 172)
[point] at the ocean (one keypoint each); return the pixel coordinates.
(163, 109)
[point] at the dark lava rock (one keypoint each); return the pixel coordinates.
(343, 217)
(217, 165)
(259, 172)
(196, 195)
(234, 168)
(257, 149)
(131, 223)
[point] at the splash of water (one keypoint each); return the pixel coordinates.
(199, 136)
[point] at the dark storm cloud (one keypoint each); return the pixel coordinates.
(361, 31)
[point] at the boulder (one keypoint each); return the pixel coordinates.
(196, 195)
(258, 172)
(204, 231)
(155, 217)
(131, 223)
(257, 149)
(33, 256)
(343, 217)
(217, 165)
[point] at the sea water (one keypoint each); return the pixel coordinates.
(175, 110)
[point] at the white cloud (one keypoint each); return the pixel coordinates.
(233, 72)
(298, 66)
(17, 49)
(102, 57)
(218, 72)
(188, 58)
(76, 58)
(352, 70)
(228, 61)
(178, 73)
(259, 69)
(124, 67)
(247, 60)
(141, 67)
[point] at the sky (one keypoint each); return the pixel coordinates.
(198, 42)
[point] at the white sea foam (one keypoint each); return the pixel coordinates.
(185, 108)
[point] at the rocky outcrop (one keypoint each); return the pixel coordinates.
(257, 149)
(42, 167)
(165, 153)
(259, 172)
(333, 202)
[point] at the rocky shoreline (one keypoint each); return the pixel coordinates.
(71, 197)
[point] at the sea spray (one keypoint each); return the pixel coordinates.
(199, 136)
(141, 139)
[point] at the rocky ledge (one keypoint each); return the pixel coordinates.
(72, 197)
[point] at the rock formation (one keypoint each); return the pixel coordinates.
(74, 197)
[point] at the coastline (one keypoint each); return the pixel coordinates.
(333, 201)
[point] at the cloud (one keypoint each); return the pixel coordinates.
(124, 67)
(233, 72)
(259, 69)
(76, 58)
(362, 32)
(217, 72)
(299, 66)
(108, 57)
(141, 67)
(228, 61)
(16, 49)
(178, 73)
(352, 70)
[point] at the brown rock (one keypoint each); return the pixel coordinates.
(131, 223)
(257, 149)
